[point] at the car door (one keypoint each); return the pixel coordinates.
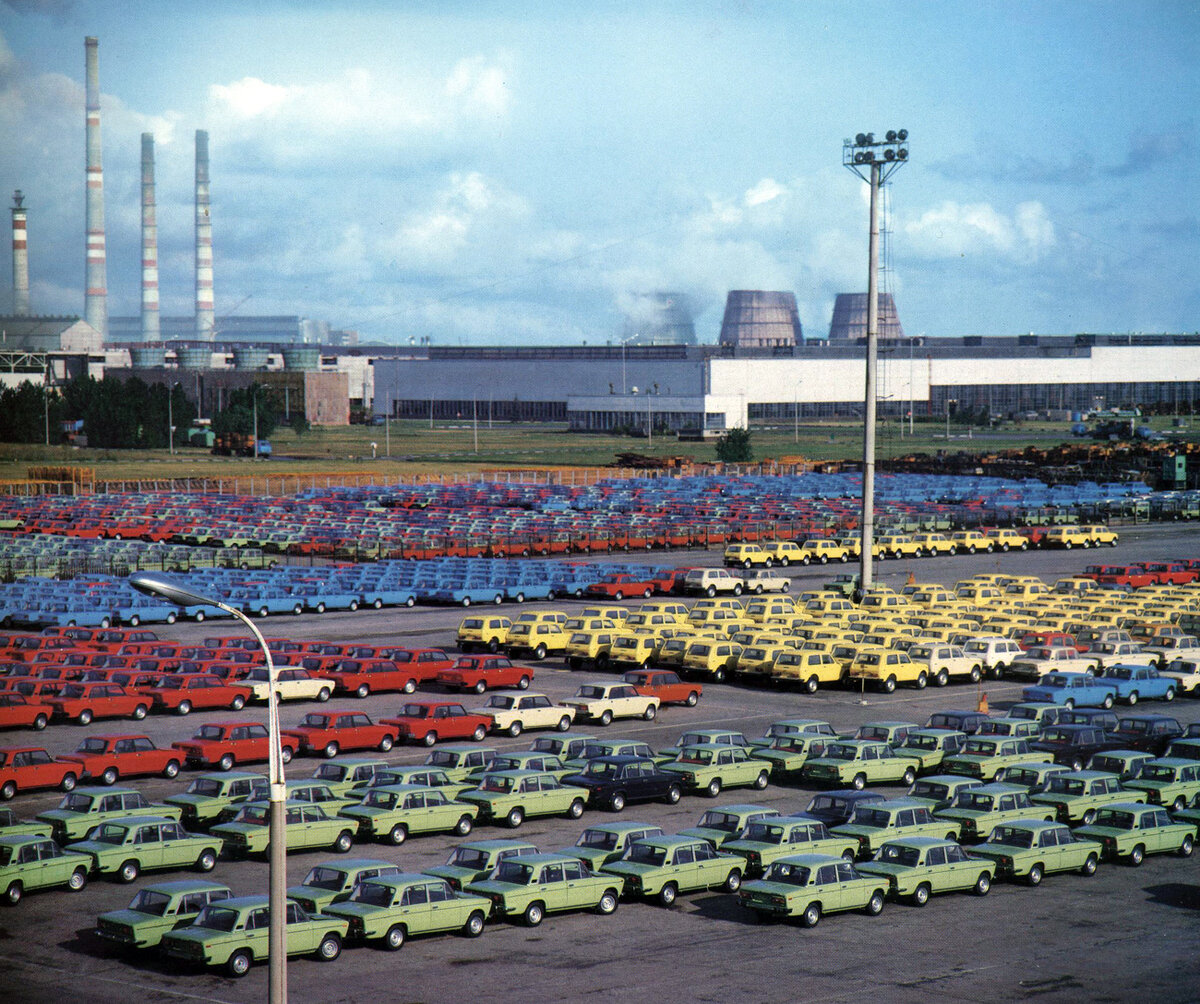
(148, 847)
(1153, 830)
(838, 886)
(557, 892)
(961, 871)
(175, 847)
(28, 867)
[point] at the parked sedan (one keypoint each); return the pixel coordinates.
(1130, 830)
(616, 781)
(1033, 849)
(917, 867)
(394, 812)
(307, 825)
(808, 886)
(291, 684)
(389, 909)
(124, 848)
(602, 702)
(533, 885)
(663, 867)
(157, 909)
(712, 767)
(514, 711)
(30, 863)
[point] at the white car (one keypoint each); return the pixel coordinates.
(514, 711)
(290, 685)
(602, 702)
(1109, 653)
(1187, 672)
(1040, 660)
(943, 661)
(994, 652)
(764, 580)
(711, 581)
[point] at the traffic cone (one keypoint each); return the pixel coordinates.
(983, 703)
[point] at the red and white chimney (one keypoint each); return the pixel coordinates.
(20, 257)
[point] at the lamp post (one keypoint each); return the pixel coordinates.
(950, 403)
(874, 162)
(171, 418)
(154, 584)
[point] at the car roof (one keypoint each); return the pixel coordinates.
(624, 827)
(183, 885)
(921, 841)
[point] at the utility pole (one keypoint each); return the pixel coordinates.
(874, 162)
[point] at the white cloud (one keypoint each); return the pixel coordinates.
(765, 191)
(955, 230)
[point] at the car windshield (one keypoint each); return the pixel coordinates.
(76, 803)
(209, 732)
(972, 800)
(1057, 735)
(829, 803)
(695, 755)
(590, 692)
(415, 711)
(380, 799)
(372, 893)
(1116, 819)
(514, 872)
(716, 820)
(789, 874)
(91, 746)
(763, 833)
(1011, 836)
(151, 902)
(921, 742)
(109, 833)
(897, 854)
(216, 918)
(493, 782)
(325, 878)
(864, 815)
(468, 857)
(840, 751)
(330, 772)
(499, 701)
(441, 759)
(256, 814)
(1064, 784)
(314, 721)
(1154, 772)
(979, 747)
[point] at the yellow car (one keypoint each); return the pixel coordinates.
(747, 556)
(758, 661)
(589, 648)
(714, 659)
(784, 552)
(808, 669)
(934, 544)
(972, 541)
(1006, 539)
(479, 632)
(634, 650)
(1099, 534)
(823, 551)
(898, 545)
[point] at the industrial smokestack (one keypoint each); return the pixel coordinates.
(20, 257)
(150, 325)
(96, 298)
(204, 259)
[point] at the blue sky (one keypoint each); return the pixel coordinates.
(486, 173)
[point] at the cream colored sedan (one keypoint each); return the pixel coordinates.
(291, 684)
(514, 711)
(602, 702)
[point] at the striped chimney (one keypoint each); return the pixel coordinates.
(96, 297)
(150, 325)
(20, 257)
(204, 259)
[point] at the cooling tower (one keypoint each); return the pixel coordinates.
(659, 319)
(20, 251)
(96, 298)
(850, 317)
(758, 319)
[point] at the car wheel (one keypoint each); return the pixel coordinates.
(811, 916)
(564, 723)
(239, 963)
(78, 879)
(8, 790)
(1133, 698)
(67, 783)
(140, 712)
(515, 817)
(762, 780)
(105, 622)
(1170, 694)
(1077, 764)
(109, 776)
(667, 894)
(377, 603)
(237, 703)
(479, 734)
(719, 676)
(575, 809)
(363, 690)
(649, 713)
(909, 776)
(1035, 875)
(344, 841)
(330, 750)
(811, 684)
(515, 729)
(198, 616)
(674, 793)
(262, 611)
(921, 896)
(393, 941)
(171, 769)
(1186, 848)
(386, 743)
(859, 782)
(329, 948)
(493, 646)
(983, 884)
(480, 686)
(1108, 701)
(129, 871)
(185, 707)
(692, 699)
(714, 788)
(874, 905)
(608, 903)
(323, 695)
(226, 762)
(523, 683)
(539, 652)
(40, 722)
(733, 881)
(463, 826)
(410, 686)
(534, 914)
(710, 592)
(1069, 704)
(606, 718)
(942, 678)
(84, 717)
(922, 680)
(12, 895)
(1137, 855)
(473, 928)
(889, 685)
(617, 801)
(207, 860)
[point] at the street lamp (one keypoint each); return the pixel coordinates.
(154, 584)
(171, 419)
(873, 161)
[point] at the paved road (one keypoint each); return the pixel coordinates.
(1124, 933)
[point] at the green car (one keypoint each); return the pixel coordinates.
(534, 885)
(514, 795)
(929, 747)
(938, 791)
(859, 762)
(719, 826)
(461, 763)
(712, 767)
(87, 807)
(1126, 764)
(665, 866)
(157, 909)
(303, 789)
(425, 777)
(988, 757)
(211, 794)
(347, 777)
(1014, 728)
(787, 754)
(607, 842)
(29, 863)
(917, 867)
(705, 737)
(1189, 817)
(811, 885)
(874, 824)
(525, 760)
(474, 861)
(125, 848)
(766, 840)
(394, 812)
(1032, 849)
(1170, 782)
(566, 745)
(892, 733)
(976, 811)
(308, 827)
(1035, 777)
(1131, 830)
(789, 727)
(1078, 795)
(11, 826)
(390, 909)
(234, 933)
(333, 881)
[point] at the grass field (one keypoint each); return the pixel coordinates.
(409, 448)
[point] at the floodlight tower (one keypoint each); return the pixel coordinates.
(874, 162)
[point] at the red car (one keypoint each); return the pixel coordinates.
(619, 586)
(107, 758)
(330, 732)
(85, 701)
(23, 768)
(1174, 573)
(17, 710)
(185, 693)
(224, 744)
(664, 685)
(483, 672)
(427, 721)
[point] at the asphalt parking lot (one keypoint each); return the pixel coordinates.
(1125, 932)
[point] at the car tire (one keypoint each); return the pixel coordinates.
(667, 894)
(1077, 764)
(1035, 876)
(185, 707)
(8, 790)
(811, 916)
(110, 776)
(171, 769)
(514, 729)
(889, 685)
(410, 686)
(922, 680)
(1108, 702)
(473, 928)
(710, 592)
(733, 881)
(480, 687)
(874, 905)
(206, 860)
(129, 871)
(239, 963)
(616, 801)
(84, 717)
(479, 734)
(78, 879)
(323, 695)
(330, 750)
(575, 809)
(1137, 855)
(908, 777)
(534, 914)
(343, 843)
(539, 653)
(608, 903)
(523, 683)
(285, 754)
(1089, 867)
(692, 699)
(674, 793)
(714, 788)
(329, 948)
(1170, 694)
(226, 762)
(386, 743)
(40, 722)
(983, 884)
(12, 895)
(394, 939)
(140, 712)
(811, 685)
(649, 714)
(606, 718)
(942, 678)
(921, 896)
(237, 703)
(1133, 698)
(463, 826)
(859, 782)
(515, 817)
(564, 723)
(429, 738)
(67, 783)
(762, 780)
